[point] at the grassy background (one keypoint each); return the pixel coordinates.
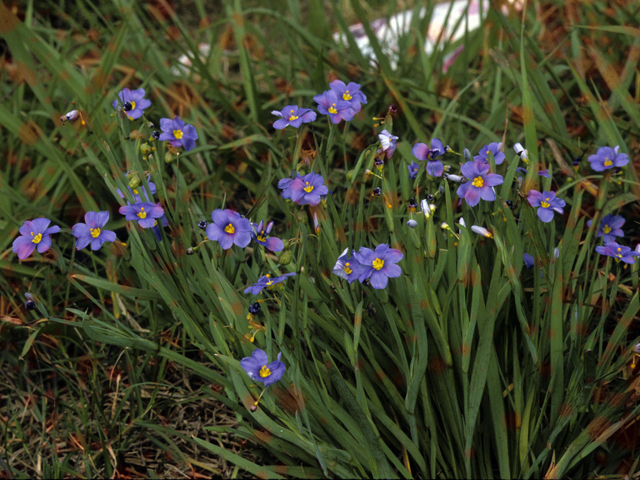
(75, 406)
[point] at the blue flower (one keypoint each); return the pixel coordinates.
(338, 110)
(260, 370)
(607, 158)
(266, 281)
(610, 227)
(261, 235)
(293, 116)
(493, 148)
(619, 252)
(133, 102)
(229, 227)
(379, 265)
(347, 268)
(481, 183)
(547, 203)
(413, 170)
(178, 134)
(349, 93)
(36, 233)
(304, 190)
(387, 142)
(92, 232)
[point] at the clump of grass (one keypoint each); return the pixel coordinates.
(467, 365)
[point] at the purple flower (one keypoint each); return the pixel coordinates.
(179, 134)
(229, 227)
(258, 370)
(338, 110)
(387, 142)
(293, 116)
(528, 261)
(379, 265)
(610, 227)
(606, 158)
(347, 268)
(34, 233)
(423, 152)
(266, 281)
(304, 190)
(134, 99)
(544, 173)
(91, 232)
(618, 252)
(481, 182)
(261, 235)
(349, 93)
(145, 213)
(494, 148)
(435, 168)
(413, 170)
(547, 203)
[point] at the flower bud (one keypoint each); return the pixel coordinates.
(412, 223)
(482, 231)
(190, 251)
(253, 408)
(285, 257)
(454, 178)
(467, 155)
(145, 149)
(254, 308)
(30, 304)
(202, 224)
(71, 116)
(350, 175)
(168, 157)
(425, 208)
(134, 179)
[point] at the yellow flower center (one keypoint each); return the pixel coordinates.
(178, 134)
(347, 269)
(545, 204)
(135, 191)
(488, 152)
(95, 232)
(606, 229)
(142, 213)
(346, 95)
(133, 104)
(292, 117)
(478, 182)
(229, 229)
(37, 238)
(607, 162)
(265, 372)
(332, 109)
(261, 237)
(378, 263)
(308, 188)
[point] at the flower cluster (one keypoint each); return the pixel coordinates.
(307, 190)
(377, 265)
(340, 102)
